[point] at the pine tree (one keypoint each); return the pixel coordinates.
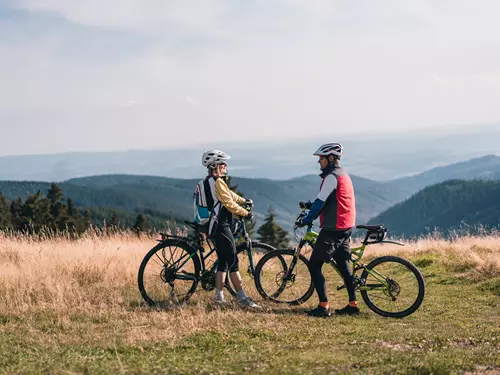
(5, 215)
(16, 212)
(87, 220)
(271, 233)
(35, 213)
(141, 223)
(72, 211)
(54, 194)
(115, 220)
(58, 210)
(74, 221)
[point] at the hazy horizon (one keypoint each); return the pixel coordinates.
(370, 134)
(375, 156)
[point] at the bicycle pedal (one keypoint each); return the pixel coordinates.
(340, 287)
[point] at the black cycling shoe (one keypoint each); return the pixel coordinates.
(348, 310)
(320, 312)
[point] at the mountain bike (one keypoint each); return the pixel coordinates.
(172, 270)
(390, 286)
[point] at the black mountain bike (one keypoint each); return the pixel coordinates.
(391, 286)
(171, 271)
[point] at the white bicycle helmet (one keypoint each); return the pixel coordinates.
(327, 149)
(214, 157)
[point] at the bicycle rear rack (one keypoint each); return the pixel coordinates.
(189, 239)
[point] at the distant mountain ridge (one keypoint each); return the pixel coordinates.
(377, 156)
(446, 206)
(486, 167)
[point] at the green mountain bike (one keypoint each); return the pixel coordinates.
(172, 270)
(391, 286)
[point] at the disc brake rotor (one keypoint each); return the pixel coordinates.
(280, 278)
(394, 289)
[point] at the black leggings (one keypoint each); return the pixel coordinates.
(332, 245)
(225, 249)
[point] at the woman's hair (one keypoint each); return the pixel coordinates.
(336, 160)
(211, 169)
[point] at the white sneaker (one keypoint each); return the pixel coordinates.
(221, 301)
(249, 304)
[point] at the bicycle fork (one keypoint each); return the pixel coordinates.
(288, 271)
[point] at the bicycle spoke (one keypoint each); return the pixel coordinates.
(284, 278)
(168, 275)
(158, 263)
(172, 256)
(161, 260)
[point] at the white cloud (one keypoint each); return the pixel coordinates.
(284, 68)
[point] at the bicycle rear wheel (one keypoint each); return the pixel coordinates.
(392, 286)
(282, 277)
(169, 273)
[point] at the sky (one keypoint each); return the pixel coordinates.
(102, 75)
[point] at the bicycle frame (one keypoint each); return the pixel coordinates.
(356, 254)
(197, 244)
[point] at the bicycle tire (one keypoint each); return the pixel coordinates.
(275, 297)
(241, 249)
(194, 267)
(373, 305)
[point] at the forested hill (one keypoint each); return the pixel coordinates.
(169, 197)
(450, 205)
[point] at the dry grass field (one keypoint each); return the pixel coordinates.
(73, 307)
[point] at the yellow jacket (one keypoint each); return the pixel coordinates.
(226, 202)
(229, 199)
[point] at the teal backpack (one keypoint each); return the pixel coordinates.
(203, 202)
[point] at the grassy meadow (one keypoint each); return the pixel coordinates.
(72, 307)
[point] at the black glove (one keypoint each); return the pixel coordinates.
(250, 217)
(249, 202)
(300, 223)
(305, 205)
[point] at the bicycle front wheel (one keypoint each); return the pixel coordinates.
(169, 273)
(246, 265)
(282, 277)
(392, 286)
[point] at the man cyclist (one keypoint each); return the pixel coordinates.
(225, 204)
(335, 205)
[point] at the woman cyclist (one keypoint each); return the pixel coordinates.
(226, 203)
